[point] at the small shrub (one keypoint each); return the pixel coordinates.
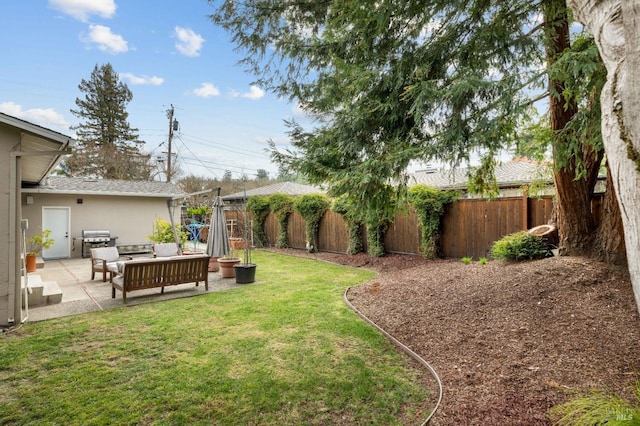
(466, 260)
(520, 246)
(163, 232)
(483, 261)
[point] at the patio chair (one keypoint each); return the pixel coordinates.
(104, 259)
(165, 250)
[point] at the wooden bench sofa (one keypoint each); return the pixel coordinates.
(139, 274)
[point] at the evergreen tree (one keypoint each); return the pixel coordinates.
(438, 80)
(108, 146)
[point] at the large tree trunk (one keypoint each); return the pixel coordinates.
(616, 27)
(576, 223)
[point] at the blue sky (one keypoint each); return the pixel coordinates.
(167, 52)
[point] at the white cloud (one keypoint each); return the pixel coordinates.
(47, 118)
(106, 40)
(254, 93)
(206, 90)
(189, 43)
(142, 79)
(83, 9)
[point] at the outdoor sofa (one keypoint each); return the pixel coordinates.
(143, 273)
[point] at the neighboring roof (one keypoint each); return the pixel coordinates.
(40, 149)
(289, 188)
(124, 188)
(511, 174)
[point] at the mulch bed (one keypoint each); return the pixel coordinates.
(509, 340)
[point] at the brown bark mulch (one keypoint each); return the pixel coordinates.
(509, 340)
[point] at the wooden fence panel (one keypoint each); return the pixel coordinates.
(469, 227)
(333, 235)
(403, 234)
(296, 231)
(540, 211)
(271, 229)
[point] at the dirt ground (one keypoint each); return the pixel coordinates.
(508, 340)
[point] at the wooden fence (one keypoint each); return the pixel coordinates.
(469, 227)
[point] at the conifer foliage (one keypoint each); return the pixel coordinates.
(108, 146)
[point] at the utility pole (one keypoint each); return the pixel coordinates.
(170, 117)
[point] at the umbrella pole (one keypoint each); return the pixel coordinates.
(173, 225)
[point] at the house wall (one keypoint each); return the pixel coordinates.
(9, 138)
(129, 218)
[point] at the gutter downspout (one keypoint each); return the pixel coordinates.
(15, 274)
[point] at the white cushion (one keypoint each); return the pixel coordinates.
(166, 249)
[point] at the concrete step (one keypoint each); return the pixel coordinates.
(42, 292)
(52, 292)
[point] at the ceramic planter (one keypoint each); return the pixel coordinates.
(226, 266)
(214, 266)
(236, 243)
(31, 262)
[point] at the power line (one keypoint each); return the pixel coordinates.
(219, 145)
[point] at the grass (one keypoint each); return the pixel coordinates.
(285, 350)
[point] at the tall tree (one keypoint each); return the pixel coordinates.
(108, 146)
(616, 26)
(392, 82)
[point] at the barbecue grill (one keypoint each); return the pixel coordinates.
(96, 238)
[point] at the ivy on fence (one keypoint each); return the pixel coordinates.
(259, 208)
(311, 207)
(281, 206)
(429, 206)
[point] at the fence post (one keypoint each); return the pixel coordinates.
(525, 207)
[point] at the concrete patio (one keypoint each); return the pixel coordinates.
(80, 294)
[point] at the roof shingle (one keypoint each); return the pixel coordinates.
(77, 185)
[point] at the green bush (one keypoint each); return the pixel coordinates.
(163, 232)
(201, 211)
(520, 246)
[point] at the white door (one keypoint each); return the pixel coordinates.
(57, 219)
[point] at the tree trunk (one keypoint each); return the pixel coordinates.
(616, 27)
(608, 244)
(576, 224)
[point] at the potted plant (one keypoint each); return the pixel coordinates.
(236, 243)
(245, 271)
(226, 264)
(35, 244)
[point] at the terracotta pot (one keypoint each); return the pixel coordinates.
(214, 266)
(236, 243)
(226, 266)
(31, 262)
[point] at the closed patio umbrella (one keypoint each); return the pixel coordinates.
(218, 241)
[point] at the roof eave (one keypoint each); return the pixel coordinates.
(36, 190)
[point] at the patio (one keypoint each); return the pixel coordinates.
(80, 294)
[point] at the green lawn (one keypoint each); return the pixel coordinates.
(284, 350)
